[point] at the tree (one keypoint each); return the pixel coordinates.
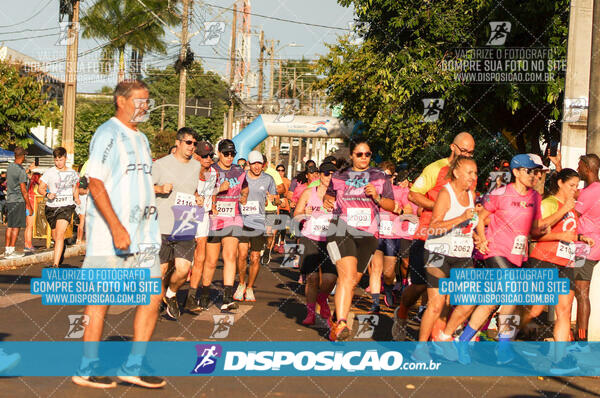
(383, 81)
(24, 104)
(89, 116)
(127, 23)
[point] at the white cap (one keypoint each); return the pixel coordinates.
(538, 160)
(255, 157)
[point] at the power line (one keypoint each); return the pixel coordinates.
(279, 19)
(30, 18)
(29, 37)
(28, 30)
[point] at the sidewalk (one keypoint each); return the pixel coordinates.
(42, 255)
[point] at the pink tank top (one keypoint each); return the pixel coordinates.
(315, 227)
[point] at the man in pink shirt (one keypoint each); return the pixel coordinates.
(588, 207)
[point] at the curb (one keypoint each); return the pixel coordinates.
(45, 256)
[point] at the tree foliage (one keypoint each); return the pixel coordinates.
(382, 81)
(23, 104)
(88, 117)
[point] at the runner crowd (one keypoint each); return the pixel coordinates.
(350, 218)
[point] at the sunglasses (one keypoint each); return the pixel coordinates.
(327, 173)
(532, 171)
(361, 154)
(280, 169)
(190, 142)
(210, 155)
(229, 154)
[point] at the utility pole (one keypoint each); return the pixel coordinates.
(593, 125)
(294, 85)
(261, 61)
(182, 57)
(68, 137)
(162, 117)
(279, 82)
(272, 69)
(232, 73)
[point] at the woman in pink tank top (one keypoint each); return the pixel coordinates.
(320, 272)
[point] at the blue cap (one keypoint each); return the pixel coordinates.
(523, 160)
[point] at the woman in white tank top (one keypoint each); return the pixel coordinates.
(450, 237)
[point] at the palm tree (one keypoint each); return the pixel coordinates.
(128, 23)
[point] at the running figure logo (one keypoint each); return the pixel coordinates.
(64, 39)
(508, 325)
(432, 109)
(366, 326)
(212, 33)
(292, 255)
(147, 255)
(437, 251)
(77, 324)
(499, 33)
(207, 358)
(222, 325)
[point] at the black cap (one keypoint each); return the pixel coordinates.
(226, 145)
(329, 159)
(204, 148)
(312, 169)
(327, 166)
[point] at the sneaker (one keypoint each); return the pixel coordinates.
(399, 327)
(464, 355)
(29, 250)
(192, 304)
(421, 353)
(420, 313)
(204, 302)
(566, 365)
(310, 318)
(13, 255)
(228, 304)
(85, 379)
(388, 298)
(375, 309)
(339, 332)
(265, 259)
(131, 375)
(504, 355)
(172, 307)
(239, 292)
(250, 294)
(8, 361)
(324, 310)
(447, 349)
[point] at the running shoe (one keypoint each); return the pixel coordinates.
(250, 294)
(462, 348)
(388, 297)
(375, 309)
(172, 307)
(565, 366)
(447, 349)
(421, 353)
(505, 355)
(13, 255)
(339, 331)
(192, 304)
(131, 374)
(265, 258)
(84, 378)
(8, 361)
(324, 310)
(29, 250)
(399, 327)
(239, 292)
(228, 304)
(204, 302)
(310, 318)
(420, 313)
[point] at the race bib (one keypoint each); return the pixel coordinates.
(61, 199)
(566, 250)
(226, 209)
(250, 208)
(319, 226)
(385, 227)
(519, 246)
(412, 228)
(462, 246)
(185, 199)
(359, 216)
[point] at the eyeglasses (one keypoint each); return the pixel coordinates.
(361, 154)
(280, 169)
(462, 150)
(209, 155)
(190, 142)
(228, 154)
(532, 171)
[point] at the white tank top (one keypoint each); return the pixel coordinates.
(457, 241)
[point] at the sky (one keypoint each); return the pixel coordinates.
(22, 22)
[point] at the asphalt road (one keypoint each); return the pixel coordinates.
(275, 316)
